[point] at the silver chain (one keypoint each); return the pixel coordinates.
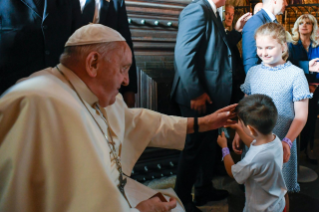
(113, 151)
(110, 144)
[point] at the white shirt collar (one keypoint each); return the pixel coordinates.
(212, 4)
(96, 18)
(82, 3)
(81, 88)
(271, 16)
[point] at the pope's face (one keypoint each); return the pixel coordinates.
(113, 73)
(229, 16)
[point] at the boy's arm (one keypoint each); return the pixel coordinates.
(243, 136)
(240, 132)
(228, 160)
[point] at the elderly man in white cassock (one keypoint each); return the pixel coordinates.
(68, 142)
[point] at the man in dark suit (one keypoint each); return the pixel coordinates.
(33, 34)
(202, 84)
(233, 38)
(113, 14)
(267, 14)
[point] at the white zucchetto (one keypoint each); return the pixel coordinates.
(93, 34)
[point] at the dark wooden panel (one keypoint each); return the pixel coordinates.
(153, 26)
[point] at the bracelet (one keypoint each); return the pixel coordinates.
(195, 124)
(225, 151)
(287, 141)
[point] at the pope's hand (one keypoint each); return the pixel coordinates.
(220, 118)
(156, 205)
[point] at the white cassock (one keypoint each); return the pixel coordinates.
(53, 155)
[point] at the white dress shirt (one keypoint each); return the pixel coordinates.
(212, 4)
(271, 16)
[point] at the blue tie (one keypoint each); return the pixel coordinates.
(88, 12)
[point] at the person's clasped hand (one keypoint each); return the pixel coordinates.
(156, 205)
(199, 104)
(314, 65)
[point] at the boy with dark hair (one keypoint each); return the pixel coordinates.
(261, 168)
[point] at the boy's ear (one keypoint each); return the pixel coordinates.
(252, 130)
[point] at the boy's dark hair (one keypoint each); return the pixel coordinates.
(258, 111)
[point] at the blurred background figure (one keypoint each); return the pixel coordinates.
(233, 38)
(229, 16)
(113, 14)
(304, 48)
(258, 7)
(33, 34)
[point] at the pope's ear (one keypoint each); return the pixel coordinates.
(92, 63)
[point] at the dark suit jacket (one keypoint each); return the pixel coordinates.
(299, 57)
(113, 14)
(30, 41)
(233, 37)
(203, 61)
(250, 57)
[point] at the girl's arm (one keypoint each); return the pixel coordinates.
(301, 114)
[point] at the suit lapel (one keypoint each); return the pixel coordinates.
(88, 12)
(49, 7)
(104, 9)
(263, 12)
(31, 5)
(218, 22)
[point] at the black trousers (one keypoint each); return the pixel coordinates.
(196, 162)
(307, 134)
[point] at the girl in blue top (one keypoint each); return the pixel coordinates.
(286, 84)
